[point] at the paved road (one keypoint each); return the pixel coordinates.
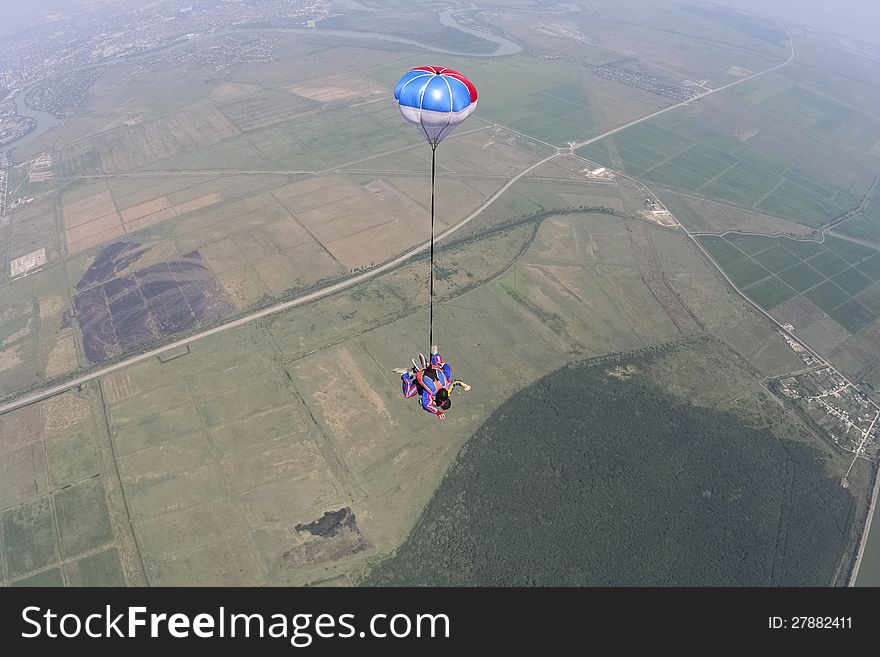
(5, 193)
(801, 372)
(872, 509)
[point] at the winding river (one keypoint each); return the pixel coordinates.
(357, 6)
(44, 120)
(505, 48)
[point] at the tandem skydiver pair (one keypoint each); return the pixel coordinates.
(432, 381)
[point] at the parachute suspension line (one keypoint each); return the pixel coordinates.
(435, 100)
(431, 307)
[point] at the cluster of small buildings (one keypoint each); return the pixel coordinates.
(61, 93)
(643, 80)
(12, 125)
(21, 200)
(558, 30)
(835, 406)
(41, 169)
(809, 359)
(599, 173)
(27, 263)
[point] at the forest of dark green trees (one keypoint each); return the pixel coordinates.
(587, 479)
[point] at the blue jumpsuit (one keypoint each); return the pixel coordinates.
(424, 382)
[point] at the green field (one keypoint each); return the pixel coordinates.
(770, 292)
(99, 569)
(751, 244)
(772, 271)
(83, 522)
(58, 506)
(852, 252)
(30, 540)
(675, 38)
(801, 276)
(861, 227)
(828, 263)
(744, 271)
(852, 316)
(865, 225)
(826, 104)
(699, 154)
(827, 296)
(870, 267)
(776, 259)
(852, 280)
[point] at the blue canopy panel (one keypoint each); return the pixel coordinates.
(435, 100)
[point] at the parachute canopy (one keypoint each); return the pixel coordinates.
(435, 100)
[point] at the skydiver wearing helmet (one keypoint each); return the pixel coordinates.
(433, 380)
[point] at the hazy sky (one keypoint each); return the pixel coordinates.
(859, 19)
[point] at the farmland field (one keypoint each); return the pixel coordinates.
(61, 510)
(865, 225)
(826, 294)
(675, 41)
(770, 292)
(822, 102)
(697, 155)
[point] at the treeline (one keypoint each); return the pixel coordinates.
(534, 217)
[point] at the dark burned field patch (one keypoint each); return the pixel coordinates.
(331, 523)
(333, 536)
(119, 308)
(587, 479)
